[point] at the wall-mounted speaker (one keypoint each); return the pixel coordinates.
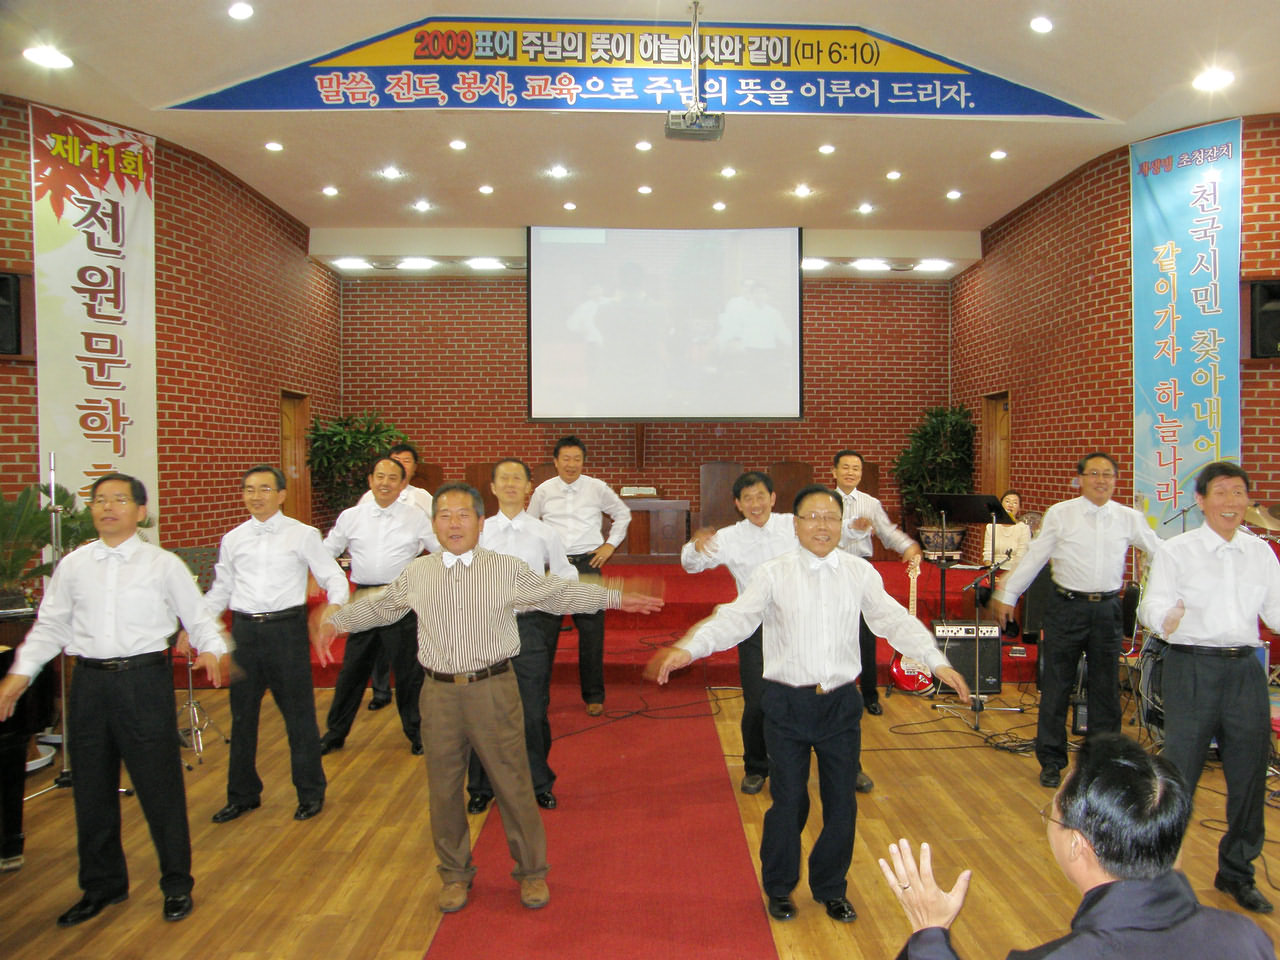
(10, 315)
(1265, 314)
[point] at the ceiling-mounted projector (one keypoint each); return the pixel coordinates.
(694, 125)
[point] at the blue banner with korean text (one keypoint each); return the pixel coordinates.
(1185, 204)
(609, 65)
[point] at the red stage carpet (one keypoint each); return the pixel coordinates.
(647, 852)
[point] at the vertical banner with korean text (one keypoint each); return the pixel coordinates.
(93, 211)
(1185, 194)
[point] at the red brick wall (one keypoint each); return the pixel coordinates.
(18, 421)
(445, 360)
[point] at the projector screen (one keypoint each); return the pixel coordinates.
(664, 324)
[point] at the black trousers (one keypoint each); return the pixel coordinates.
(539, 636)
(870, 672)
(755, 754)
(799, 721)
(274, 656)
(130, 716)
(13, 758)
(590, 642)
(1073, 627)
(400, 642)
(381, 677)
(1208, 697)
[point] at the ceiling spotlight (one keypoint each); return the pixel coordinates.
(240, 11)
(457, 144)
(422, 206)
(892, 175)
(330, 191)
(932, 266)
(1041, 24)
(827, 148)
(645, 190)
(558, 172)
(865, 208)
(998, 154)
(47, 56)
(485, 263)
(728, 172)
(1214, 78)
(274, 146)
(352, 263)
(390, 173)
(644, 145)
(485, 189)
(813, 263)
(718, 206)
(953, 194)
(802, 190)
(869, 263)
(571, 205)
(415, 263)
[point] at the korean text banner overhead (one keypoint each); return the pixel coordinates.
(611, 65)
(1185, 190)
(92, 192)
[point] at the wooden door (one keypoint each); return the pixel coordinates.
(995, 444)
(295, 418)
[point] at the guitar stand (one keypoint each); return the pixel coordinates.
(198, 720)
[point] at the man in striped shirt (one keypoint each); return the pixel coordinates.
(466, 600)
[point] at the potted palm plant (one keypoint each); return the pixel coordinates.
(25, 531)
(340, 452)
(938, 458)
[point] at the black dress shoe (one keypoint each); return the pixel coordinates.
(546, 800)
(88, 908)
(863, 783)
(782, 908)
(330, 744)
(175, 908)
(308, 809)
(840, 909)
(1245, 892)
(1050, 777)
(874, 708)
(416, 748)
(377, 703)
(233, 810)
(478, 803)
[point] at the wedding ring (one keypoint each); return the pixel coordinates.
(906, 886)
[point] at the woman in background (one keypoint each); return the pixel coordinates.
(1010, 539)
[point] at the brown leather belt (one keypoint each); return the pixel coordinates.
(471, 677)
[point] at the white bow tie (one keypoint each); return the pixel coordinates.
(102, 552)
(830, 560)
(451, 558)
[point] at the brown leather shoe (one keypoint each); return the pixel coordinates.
(534, 892)
(453, 896)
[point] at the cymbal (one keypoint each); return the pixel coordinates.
(1266, 517)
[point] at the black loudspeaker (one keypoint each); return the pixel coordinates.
(10, 315)
(1266, 319)
(959, 651)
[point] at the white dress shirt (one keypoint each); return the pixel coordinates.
(858, 505)
(574, 511)
(105, 603)
(742, 547)
(262, 567)
(414, 497)
(1088, 545)
(531, 540)
(1012, 541)
(811, 609)
(381, 540)
(1225, 585)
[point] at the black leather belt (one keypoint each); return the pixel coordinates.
(1089, 597)
(124, 663)
(287, 614)
(367, 586)
(472, 677)
(1200, 650)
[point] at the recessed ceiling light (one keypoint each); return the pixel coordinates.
(865, 208)
(998, 154)
(47, 56)
(1041, 24)
(571, 205)
(485, 189)
(240, 11)
(351, 263)
(645, 190)
(1214, 78)
(869, 263)
(953, 194)
(644, 145)
(415, 263)
(558, 172)
(813, 263)
(457, 144)
(330, 191)
(827, 148)
(932, 266)
(485, 263)
(274, 146)
(390, 173)
(892, 175)
(802, 190)
(718, 206)
(421, 206)
(728, 172)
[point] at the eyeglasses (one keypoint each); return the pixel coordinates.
(1047, 817)
(101, 502)
(1104, 474)
(825, 518)
(253, 491)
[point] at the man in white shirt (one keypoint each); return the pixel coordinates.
(760, 535)
(864, 515)
(810, 600)
(381, 535)
(513, 532)
(573, 505)
(113, 603)
(1088, 540)
(261, 575)
(1204, 595)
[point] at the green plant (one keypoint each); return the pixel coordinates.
(26, 529)
(938, 458)
(341, 452)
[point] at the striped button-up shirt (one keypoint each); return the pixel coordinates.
(466, 613)
(858, 505)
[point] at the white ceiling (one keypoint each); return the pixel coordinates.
(1128, 61)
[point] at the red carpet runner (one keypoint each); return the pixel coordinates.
(647, 852)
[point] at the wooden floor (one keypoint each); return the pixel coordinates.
(359, 880)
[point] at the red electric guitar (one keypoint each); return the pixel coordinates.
(911, 676)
